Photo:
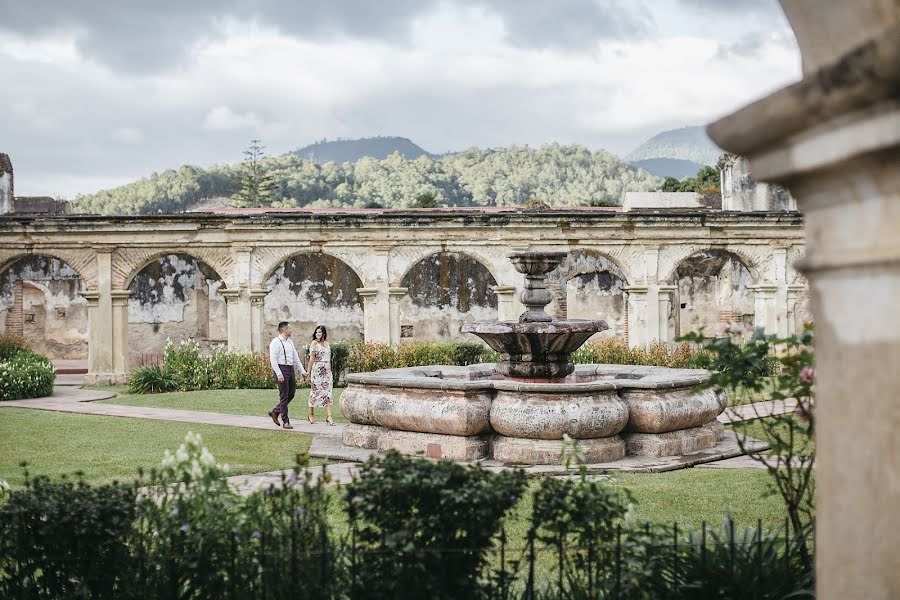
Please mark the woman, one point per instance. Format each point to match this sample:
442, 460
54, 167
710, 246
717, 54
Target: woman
320, 374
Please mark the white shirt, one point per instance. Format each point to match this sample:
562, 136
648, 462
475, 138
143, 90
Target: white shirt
282, 352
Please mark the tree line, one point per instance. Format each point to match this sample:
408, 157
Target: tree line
554, 174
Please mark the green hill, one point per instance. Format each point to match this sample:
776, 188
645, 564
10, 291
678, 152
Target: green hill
686, 143
557, 175
341, 151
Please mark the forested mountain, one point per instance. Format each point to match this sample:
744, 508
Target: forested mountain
557, 175
686, 143
668, 167
341, 151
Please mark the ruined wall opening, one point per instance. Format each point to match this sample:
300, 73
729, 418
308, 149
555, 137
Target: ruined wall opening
446, 289
711, 288
588, 285
313, 289
174, 297
41, 301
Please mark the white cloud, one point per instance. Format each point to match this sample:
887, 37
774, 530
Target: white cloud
455, 82
223, 118
128, 135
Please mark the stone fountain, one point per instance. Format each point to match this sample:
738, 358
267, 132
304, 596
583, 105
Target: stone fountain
518, 410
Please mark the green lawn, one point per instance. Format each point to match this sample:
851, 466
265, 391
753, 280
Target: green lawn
108, 448
233, 402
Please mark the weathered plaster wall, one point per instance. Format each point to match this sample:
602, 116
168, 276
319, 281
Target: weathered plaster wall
40, 300
446, 290
175, 297
712, 288
314, 289
589, 285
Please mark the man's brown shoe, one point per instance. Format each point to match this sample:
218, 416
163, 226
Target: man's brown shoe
274, 416
288, 426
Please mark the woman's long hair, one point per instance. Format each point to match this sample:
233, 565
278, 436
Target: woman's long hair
324, 332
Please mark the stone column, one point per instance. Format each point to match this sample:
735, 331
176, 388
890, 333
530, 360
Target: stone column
506, 302
833, 140
257, 321
240, 319
764, 306
376, 314
666, 295
395, 297
120, 348
638, 331
101, 347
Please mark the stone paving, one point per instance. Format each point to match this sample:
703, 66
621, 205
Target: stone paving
69, 397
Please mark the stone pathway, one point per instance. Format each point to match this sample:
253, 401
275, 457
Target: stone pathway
338, 474
757, 410
71, 399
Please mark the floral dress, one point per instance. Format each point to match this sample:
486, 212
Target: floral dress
320, 377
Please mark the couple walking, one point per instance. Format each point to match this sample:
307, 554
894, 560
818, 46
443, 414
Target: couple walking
287, 366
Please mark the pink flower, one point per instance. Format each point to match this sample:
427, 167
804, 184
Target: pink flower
807, 374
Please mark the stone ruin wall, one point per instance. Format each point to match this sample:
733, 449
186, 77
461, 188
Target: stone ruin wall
40, 301
445, 290
177, 297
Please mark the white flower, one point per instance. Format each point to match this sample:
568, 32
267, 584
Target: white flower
181, 455
196, 471
206, 458
168, 461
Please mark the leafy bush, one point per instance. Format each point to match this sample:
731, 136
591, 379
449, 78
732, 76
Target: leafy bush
151, 379
66, 540
426, 526
365, 357
26, 375
235, 370
10, 345
616, 351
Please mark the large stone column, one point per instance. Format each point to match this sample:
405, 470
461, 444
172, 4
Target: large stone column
638, 316
395, 297
258, 342
107, 326
376, 314
506, 302
240, 320
834, 141
764, 306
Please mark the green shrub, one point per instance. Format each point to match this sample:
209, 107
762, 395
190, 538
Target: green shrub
26, 375
615, 351
364, 357
10, 345
340, 360
237, 370
426, 525
186, 366
67, 540
151, 379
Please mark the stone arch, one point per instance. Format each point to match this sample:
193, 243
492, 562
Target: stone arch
41, 299
711, 286
670, 257
404, 259
128, 262
311, 288
175, 296
267, 260
590, 284
444, 290
83, 262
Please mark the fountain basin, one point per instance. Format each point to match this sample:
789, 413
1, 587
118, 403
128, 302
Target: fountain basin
468, 413
535, 350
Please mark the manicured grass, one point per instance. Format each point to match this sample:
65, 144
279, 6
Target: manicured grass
108, 448
233, 402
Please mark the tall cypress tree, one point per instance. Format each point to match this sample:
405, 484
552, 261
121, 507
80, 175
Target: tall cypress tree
258, 187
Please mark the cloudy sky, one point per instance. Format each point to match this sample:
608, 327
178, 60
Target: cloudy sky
96, 93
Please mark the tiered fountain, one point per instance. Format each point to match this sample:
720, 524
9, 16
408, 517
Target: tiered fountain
518, 410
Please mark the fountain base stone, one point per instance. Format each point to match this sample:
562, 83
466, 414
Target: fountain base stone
673, 443
473, 413
526, 451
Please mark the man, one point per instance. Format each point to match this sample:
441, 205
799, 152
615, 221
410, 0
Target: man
286, 363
